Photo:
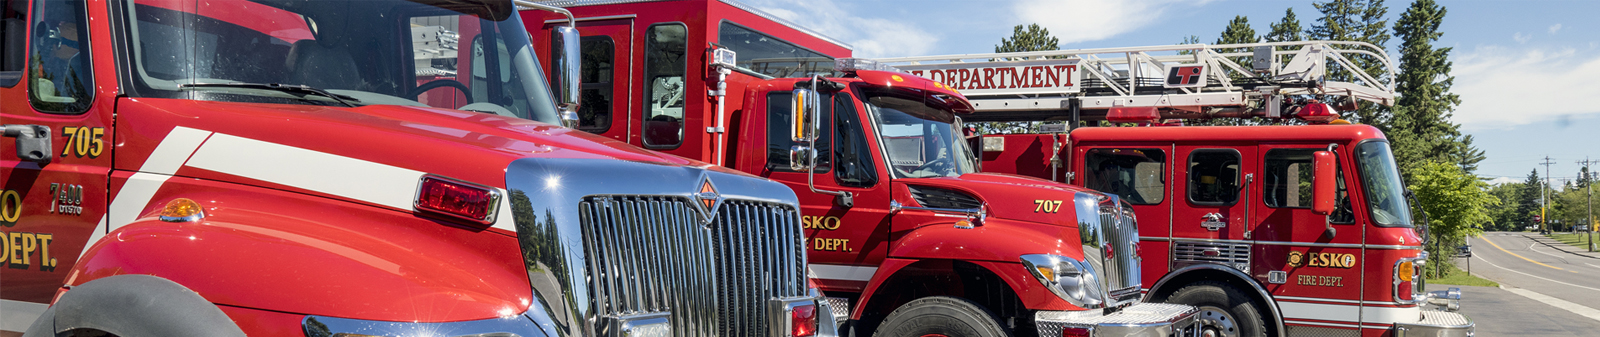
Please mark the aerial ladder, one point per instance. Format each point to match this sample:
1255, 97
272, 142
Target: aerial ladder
1273, 80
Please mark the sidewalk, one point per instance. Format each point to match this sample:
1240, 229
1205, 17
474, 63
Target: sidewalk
1557, 245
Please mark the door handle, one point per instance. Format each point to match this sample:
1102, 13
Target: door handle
33, 142
1213, 222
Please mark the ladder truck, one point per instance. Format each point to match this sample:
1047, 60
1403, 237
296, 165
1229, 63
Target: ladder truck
1299, 228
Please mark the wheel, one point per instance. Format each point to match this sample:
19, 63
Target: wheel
940, 316
440, 83
1224, 310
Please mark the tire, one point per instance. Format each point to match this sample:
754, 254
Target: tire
940, 316
1225, 311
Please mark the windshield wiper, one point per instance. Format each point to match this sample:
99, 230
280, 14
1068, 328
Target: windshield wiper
290, 88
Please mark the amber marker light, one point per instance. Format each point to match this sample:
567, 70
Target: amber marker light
1406, 271
182, 210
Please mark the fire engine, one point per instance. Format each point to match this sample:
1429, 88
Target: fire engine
904, 236
1297, 229
354, 168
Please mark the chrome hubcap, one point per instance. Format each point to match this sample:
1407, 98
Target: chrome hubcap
1216, 322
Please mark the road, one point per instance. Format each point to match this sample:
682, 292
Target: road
1545, 291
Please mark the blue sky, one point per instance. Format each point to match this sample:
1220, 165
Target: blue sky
1528, 72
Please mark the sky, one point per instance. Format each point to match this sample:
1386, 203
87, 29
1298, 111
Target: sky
1528, 72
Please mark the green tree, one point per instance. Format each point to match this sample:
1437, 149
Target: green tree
1033, 38
1285, 30
1421, 127
1528, 199
1356, 20
1456, 204
1505, 218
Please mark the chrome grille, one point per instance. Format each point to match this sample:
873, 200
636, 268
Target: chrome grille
1121, 232
653, 254
1186, 253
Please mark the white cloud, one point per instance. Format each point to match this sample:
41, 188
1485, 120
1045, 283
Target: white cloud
1089, 20
1521, 38
1502, 87
870, 37
1554, 28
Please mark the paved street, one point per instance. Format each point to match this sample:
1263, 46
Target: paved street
1545, 291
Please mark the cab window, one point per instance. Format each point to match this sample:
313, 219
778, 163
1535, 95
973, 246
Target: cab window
1133, 174
594, 115
1214, 176
61, 81
856, 167
1286, 178
13, 39
665, 63
779, 107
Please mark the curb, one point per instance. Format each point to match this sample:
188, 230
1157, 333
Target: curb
1558, 246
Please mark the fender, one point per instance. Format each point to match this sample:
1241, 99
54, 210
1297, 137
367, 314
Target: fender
1272, 304
134, 305
289, 252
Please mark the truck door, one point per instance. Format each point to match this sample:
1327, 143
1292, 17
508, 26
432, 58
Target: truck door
606, 46
51, 209
1212, 177
1319, 255
845, 245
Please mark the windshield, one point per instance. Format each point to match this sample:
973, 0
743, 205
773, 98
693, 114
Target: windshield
920, 141
1385, 195
467, 55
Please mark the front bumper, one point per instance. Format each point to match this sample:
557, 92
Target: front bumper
1142, 319
1434, 323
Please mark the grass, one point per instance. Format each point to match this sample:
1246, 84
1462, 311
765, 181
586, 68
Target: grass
1580, 240
1461, 278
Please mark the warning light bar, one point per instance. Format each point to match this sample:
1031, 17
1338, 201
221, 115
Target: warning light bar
853, 64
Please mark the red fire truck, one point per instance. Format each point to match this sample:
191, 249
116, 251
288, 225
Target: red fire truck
904, 236
338, 168
1299, 229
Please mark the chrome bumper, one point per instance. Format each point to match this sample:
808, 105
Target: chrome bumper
1142, 319
1436, 323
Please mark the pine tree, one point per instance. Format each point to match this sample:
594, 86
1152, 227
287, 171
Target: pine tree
1421, 127
1361, 21
1528, 203
1034, 38
1285, 30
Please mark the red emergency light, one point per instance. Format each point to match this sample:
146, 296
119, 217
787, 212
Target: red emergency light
1317, 113
456, 198
1133, 115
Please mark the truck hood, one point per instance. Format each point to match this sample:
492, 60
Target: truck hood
471, 146
999, 194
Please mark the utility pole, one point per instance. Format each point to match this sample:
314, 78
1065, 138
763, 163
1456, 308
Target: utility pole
1544, 197
1588, 190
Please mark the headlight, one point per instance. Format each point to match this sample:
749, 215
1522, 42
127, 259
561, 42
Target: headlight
1072, 280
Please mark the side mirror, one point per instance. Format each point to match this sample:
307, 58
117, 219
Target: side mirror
804, 114
802, 158
1323, 182
566, 68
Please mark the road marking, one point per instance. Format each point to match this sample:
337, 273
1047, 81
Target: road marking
1575, 308
1491, 243
1530, 275
1536, 244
